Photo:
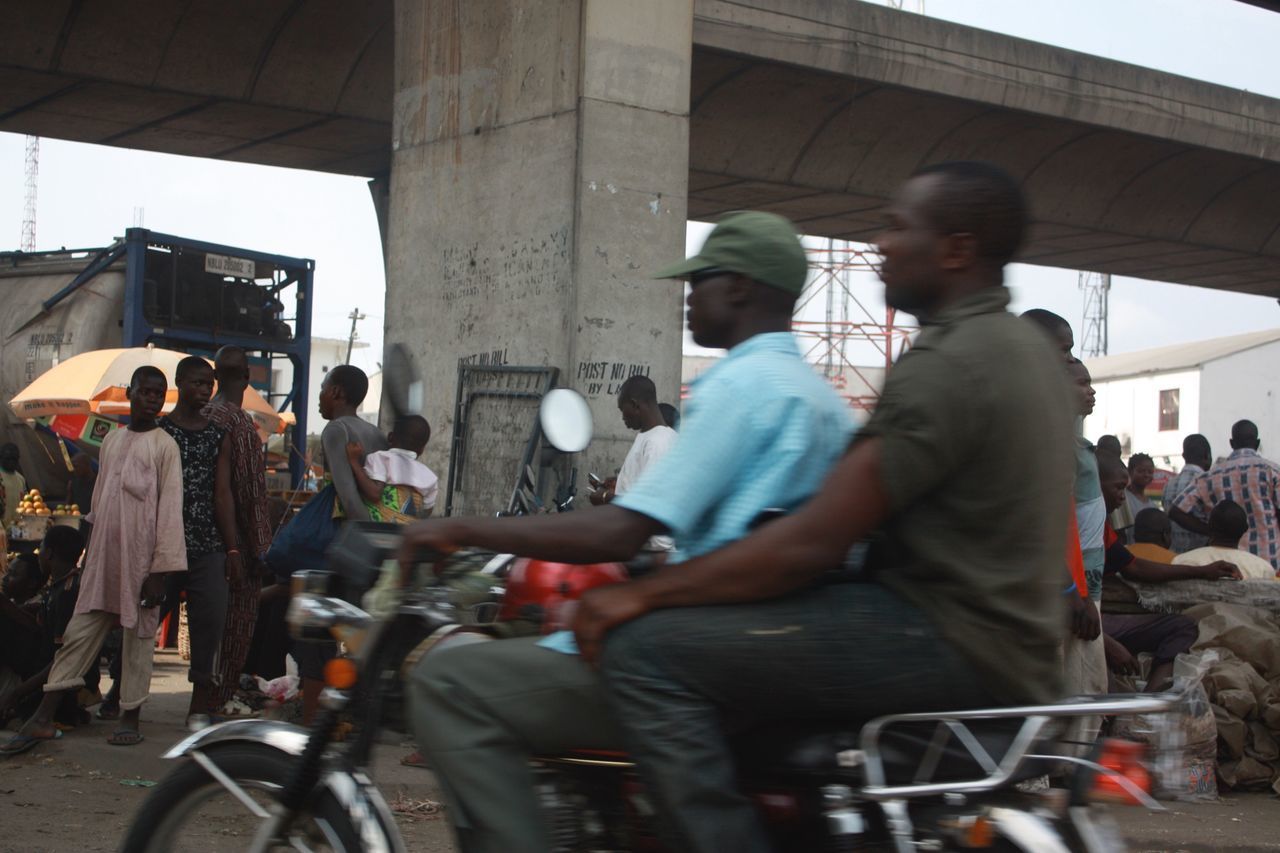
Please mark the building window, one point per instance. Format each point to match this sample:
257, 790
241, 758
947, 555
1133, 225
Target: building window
1169, 410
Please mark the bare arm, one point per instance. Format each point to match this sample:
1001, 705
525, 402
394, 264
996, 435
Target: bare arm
1187, 520
334, 440
785, 554
595, 535
1147, 571
370, 489
224, 509
782, 556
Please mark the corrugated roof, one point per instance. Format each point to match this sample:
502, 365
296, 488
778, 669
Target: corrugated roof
1178, 356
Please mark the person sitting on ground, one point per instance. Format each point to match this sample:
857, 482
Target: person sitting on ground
59, 561
1128, 628
1227, 526
1196, 458
395, 484
137, 539
19, 630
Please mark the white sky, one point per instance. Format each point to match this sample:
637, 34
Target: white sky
88, 194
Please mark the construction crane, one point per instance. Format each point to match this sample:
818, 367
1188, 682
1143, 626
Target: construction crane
28, 241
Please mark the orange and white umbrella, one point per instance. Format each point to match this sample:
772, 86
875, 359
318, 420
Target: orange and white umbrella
95, 382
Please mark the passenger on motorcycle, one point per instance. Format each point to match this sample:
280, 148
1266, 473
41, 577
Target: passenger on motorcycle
960, 479
761, 430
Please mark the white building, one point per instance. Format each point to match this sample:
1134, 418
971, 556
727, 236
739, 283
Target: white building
1153, 398
326, 354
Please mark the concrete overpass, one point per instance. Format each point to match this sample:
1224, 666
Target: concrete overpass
535, 157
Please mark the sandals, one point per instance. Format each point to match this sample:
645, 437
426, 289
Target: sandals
109, 710
125, 737
20, 743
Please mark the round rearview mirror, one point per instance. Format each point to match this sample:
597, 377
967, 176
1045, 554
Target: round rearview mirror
566, 420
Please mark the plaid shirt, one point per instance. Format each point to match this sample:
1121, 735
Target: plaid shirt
1183, 539
1252, 482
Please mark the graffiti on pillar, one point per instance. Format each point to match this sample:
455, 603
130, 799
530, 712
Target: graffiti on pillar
493, 358
507, 268
605, 378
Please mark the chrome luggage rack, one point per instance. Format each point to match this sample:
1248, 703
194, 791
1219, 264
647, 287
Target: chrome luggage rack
955, 725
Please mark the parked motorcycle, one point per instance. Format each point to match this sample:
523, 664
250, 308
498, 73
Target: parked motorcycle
908, 782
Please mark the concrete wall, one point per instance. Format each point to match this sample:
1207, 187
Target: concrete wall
539, 174
1130, 410
1244, 385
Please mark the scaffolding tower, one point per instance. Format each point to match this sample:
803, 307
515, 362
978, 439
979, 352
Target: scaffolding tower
838, 333
31, 173
1093, 328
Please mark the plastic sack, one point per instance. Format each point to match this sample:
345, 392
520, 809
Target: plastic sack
1183, 743
280, 689
301, 544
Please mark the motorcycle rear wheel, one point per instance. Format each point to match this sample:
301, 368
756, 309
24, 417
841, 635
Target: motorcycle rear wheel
171, 818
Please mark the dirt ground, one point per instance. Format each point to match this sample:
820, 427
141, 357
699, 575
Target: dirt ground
79, 793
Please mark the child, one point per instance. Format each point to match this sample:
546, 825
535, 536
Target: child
393, 483
136, 540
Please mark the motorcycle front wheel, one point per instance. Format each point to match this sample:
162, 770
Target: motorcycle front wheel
191, 810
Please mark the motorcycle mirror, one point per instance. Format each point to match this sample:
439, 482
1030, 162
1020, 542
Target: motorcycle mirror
566, 420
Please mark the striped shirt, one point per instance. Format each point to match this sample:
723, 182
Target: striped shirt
1254, 483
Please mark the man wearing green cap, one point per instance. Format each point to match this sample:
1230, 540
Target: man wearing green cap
761, 430
962, 606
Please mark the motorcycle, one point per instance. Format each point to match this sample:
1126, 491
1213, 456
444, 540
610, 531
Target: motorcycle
907, 782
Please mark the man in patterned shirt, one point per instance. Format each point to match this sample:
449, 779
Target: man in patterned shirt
249, 493
1249, 480
209, 522
1197, 457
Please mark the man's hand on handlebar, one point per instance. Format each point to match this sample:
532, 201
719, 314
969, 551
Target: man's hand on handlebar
426, 540
601, 610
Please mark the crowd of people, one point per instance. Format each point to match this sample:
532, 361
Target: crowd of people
975, 584
177, 513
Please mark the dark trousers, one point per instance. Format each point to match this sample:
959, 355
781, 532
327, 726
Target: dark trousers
1164, 636
205, 582
844, 652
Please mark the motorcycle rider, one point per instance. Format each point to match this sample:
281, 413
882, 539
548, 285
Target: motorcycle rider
965, 606
762, 429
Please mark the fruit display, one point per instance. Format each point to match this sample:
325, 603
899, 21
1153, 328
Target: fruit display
32, 503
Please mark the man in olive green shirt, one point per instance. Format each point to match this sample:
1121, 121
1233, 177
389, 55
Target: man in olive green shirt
963, 474
13, 486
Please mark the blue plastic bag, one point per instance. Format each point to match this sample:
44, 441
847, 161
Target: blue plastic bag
302, 543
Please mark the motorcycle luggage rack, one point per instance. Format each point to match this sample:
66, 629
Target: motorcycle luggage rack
955, 726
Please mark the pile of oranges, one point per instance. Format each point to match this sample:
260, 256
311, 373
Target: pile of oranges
33, 504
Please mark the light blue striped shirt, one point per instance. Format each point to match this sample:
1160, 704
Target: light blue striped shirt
760, 431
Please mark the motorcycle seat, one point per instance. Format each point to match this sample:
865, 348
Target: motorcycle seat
814, 748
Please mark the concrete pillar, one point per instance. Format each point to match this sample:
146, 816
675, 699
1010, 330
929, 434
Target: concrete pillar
539, 174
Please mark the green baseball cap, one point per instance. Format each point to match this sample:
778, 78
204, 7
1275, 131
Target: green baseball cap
762, 246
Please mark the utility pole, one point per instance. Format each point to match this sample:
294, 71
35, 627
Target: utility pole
355, 317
